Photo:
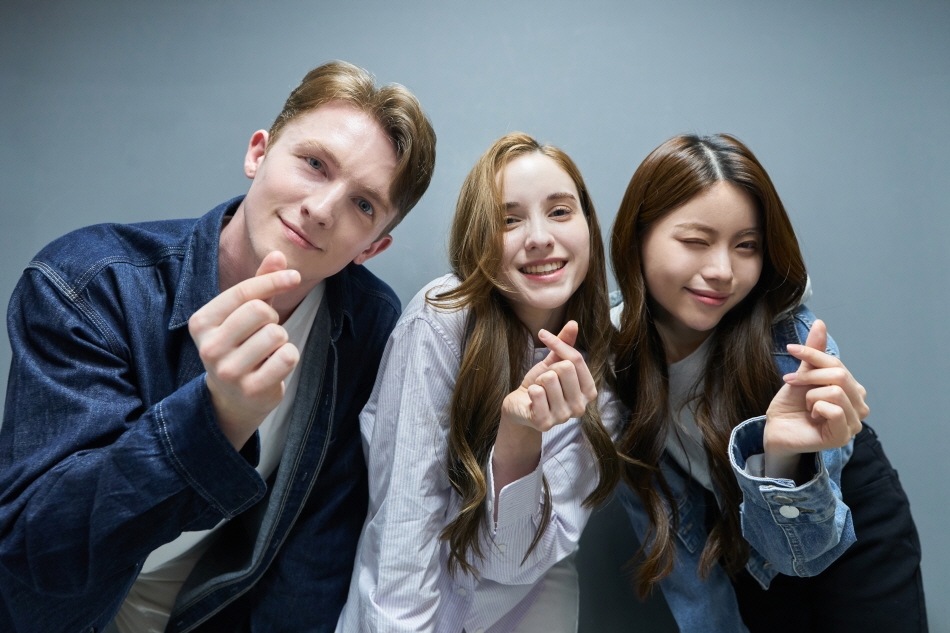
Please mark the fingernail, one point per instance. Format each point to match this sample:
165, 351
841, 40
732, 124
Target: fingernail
543, 332
790, 377
792, 347
289, 276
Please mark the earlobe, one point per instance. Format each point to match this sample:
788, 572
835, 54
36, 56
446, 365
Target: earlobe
256, 148
374, 249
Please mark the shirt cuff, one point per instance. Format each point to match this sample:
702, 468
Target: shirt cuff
517, 500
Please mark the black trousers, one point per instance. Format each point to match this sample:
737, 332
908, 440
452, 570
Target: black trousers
874, 586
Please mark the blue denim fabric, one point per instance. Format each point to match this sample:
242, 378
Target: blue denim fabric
109, 445
803, 545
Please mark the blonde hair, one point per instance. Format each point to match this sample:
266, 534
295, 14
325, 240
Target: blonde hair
495, 355
395, 109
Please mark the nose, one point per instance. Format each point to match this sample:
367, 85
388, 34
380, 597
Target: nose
538, 236
718, 266
323, 203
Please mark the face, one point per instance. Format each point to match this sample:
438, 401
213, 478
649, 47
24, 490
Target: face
700, 261
320, 192
547, 240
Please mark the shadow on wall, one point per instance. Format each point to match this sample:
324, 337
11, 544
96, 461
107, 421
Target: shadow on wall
608, 603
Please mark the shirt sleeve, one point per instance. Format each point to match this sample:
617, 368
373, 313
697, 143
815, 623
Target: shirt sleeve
92, 477
571, 471
396, 581
802, 529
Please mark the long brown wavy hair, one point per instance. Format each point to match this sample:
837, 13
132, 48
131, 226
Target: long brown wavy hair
497, 347
740, 376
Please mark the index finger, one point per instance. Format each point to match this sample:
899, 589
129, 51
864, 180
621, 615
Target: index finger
561, 350
262, 287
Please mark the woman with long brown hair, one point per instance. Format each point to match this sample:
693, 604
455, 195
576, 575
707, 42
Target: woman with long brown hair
485, 433
713, 331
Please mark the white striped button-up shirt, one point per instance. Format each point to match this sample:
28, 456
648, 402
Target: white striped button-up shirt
400, 580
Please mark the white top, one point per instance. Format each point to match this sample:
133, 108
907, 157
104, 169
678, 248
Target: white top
150, 600
400, 580
684, 440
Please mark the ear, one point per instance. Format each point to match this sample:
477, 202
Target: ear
256, 149
374, 249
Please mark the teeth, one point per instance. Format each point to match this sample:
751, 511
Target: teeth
543, 268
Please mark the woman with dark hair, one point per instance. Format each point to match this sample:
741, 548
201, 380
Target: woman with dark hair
713, 330
485, 433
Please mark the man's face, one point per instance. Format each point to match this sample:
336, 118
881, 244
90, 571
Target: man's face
320, 192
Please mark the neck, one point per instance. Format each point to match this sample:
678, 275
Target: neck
537, 319
678, 343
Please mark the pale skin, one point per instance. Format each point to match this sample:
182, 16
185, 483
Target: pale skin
546, 228
319, 200
700, 261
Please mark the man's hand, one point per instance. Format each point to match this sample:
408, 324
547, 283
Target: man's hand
244, 350
820, 407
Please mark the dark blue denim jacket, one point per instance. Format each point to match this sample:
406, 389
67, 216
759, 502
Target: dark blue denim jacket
109, 445
812, 531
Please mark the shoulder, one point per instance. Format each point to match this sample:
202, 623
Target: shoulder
422, 314
77, 258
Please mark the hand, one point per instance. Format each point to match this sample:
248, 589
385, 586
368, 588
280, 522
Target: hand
244, 350
555, 390
820, 407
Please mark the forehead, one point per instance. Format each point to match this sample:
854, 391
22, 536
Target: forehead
722, 208
534, 175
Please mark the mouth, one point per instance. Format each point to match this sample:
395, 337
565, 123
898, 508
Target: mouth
709, 297
296, 236
543, 269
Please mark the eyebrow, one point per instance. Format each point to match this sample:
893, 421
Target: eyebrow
310, 146
704, 228
559, 195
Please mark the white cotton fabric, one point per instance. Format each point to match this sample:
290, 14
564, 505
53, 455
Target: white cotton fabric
400, 581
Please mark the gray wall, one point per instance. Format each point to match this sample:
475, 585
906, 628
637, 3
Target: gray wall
125, 111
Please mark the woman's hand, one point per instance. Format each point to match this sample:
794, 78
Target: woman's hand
555, 390
820, 407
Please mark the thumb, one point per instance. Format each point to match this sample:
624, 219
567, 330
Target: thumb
272, 262
817, 339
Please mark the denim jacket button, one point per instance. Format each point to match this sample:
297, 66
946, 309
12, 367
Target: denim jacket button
789, 512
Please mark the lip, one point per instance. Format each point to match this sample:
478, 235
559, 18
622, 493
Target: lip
708, 297
296, 236
545, 276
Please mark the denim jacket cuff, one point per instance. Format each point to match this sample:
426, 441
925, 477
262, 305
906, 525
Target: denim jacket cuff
811, 502
202, 455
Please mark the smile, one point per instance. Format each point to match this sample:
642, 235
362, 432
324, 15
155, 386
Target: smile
543, 269
296, 236
709, 298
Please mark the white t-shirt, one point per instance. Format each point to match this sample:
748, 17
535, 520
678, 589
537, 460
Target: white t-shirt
148, 605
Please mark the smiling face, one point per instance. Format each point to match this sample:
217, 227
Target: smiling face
546, 242
699, 262
320, 195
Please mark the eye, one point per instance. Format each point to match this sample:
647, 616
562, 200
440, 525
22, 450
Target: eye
749, 246
511, 220
694, 242
365, 206
560, 212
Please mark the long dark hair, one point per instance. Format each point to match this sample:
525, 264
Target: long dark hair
740, 376
495, 355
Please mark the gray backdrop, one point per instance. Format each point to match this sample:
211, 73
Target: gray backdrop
126, 111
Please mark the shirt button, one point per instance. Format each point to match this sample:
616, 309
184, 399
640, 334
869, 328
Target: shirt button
501, 548
789, 512
461, 591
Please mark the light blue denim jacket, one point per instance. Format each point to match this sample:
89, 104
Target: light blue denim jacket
794, 530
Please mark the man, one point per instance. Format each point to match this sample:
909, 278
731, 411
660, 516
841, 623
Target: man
181, 443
